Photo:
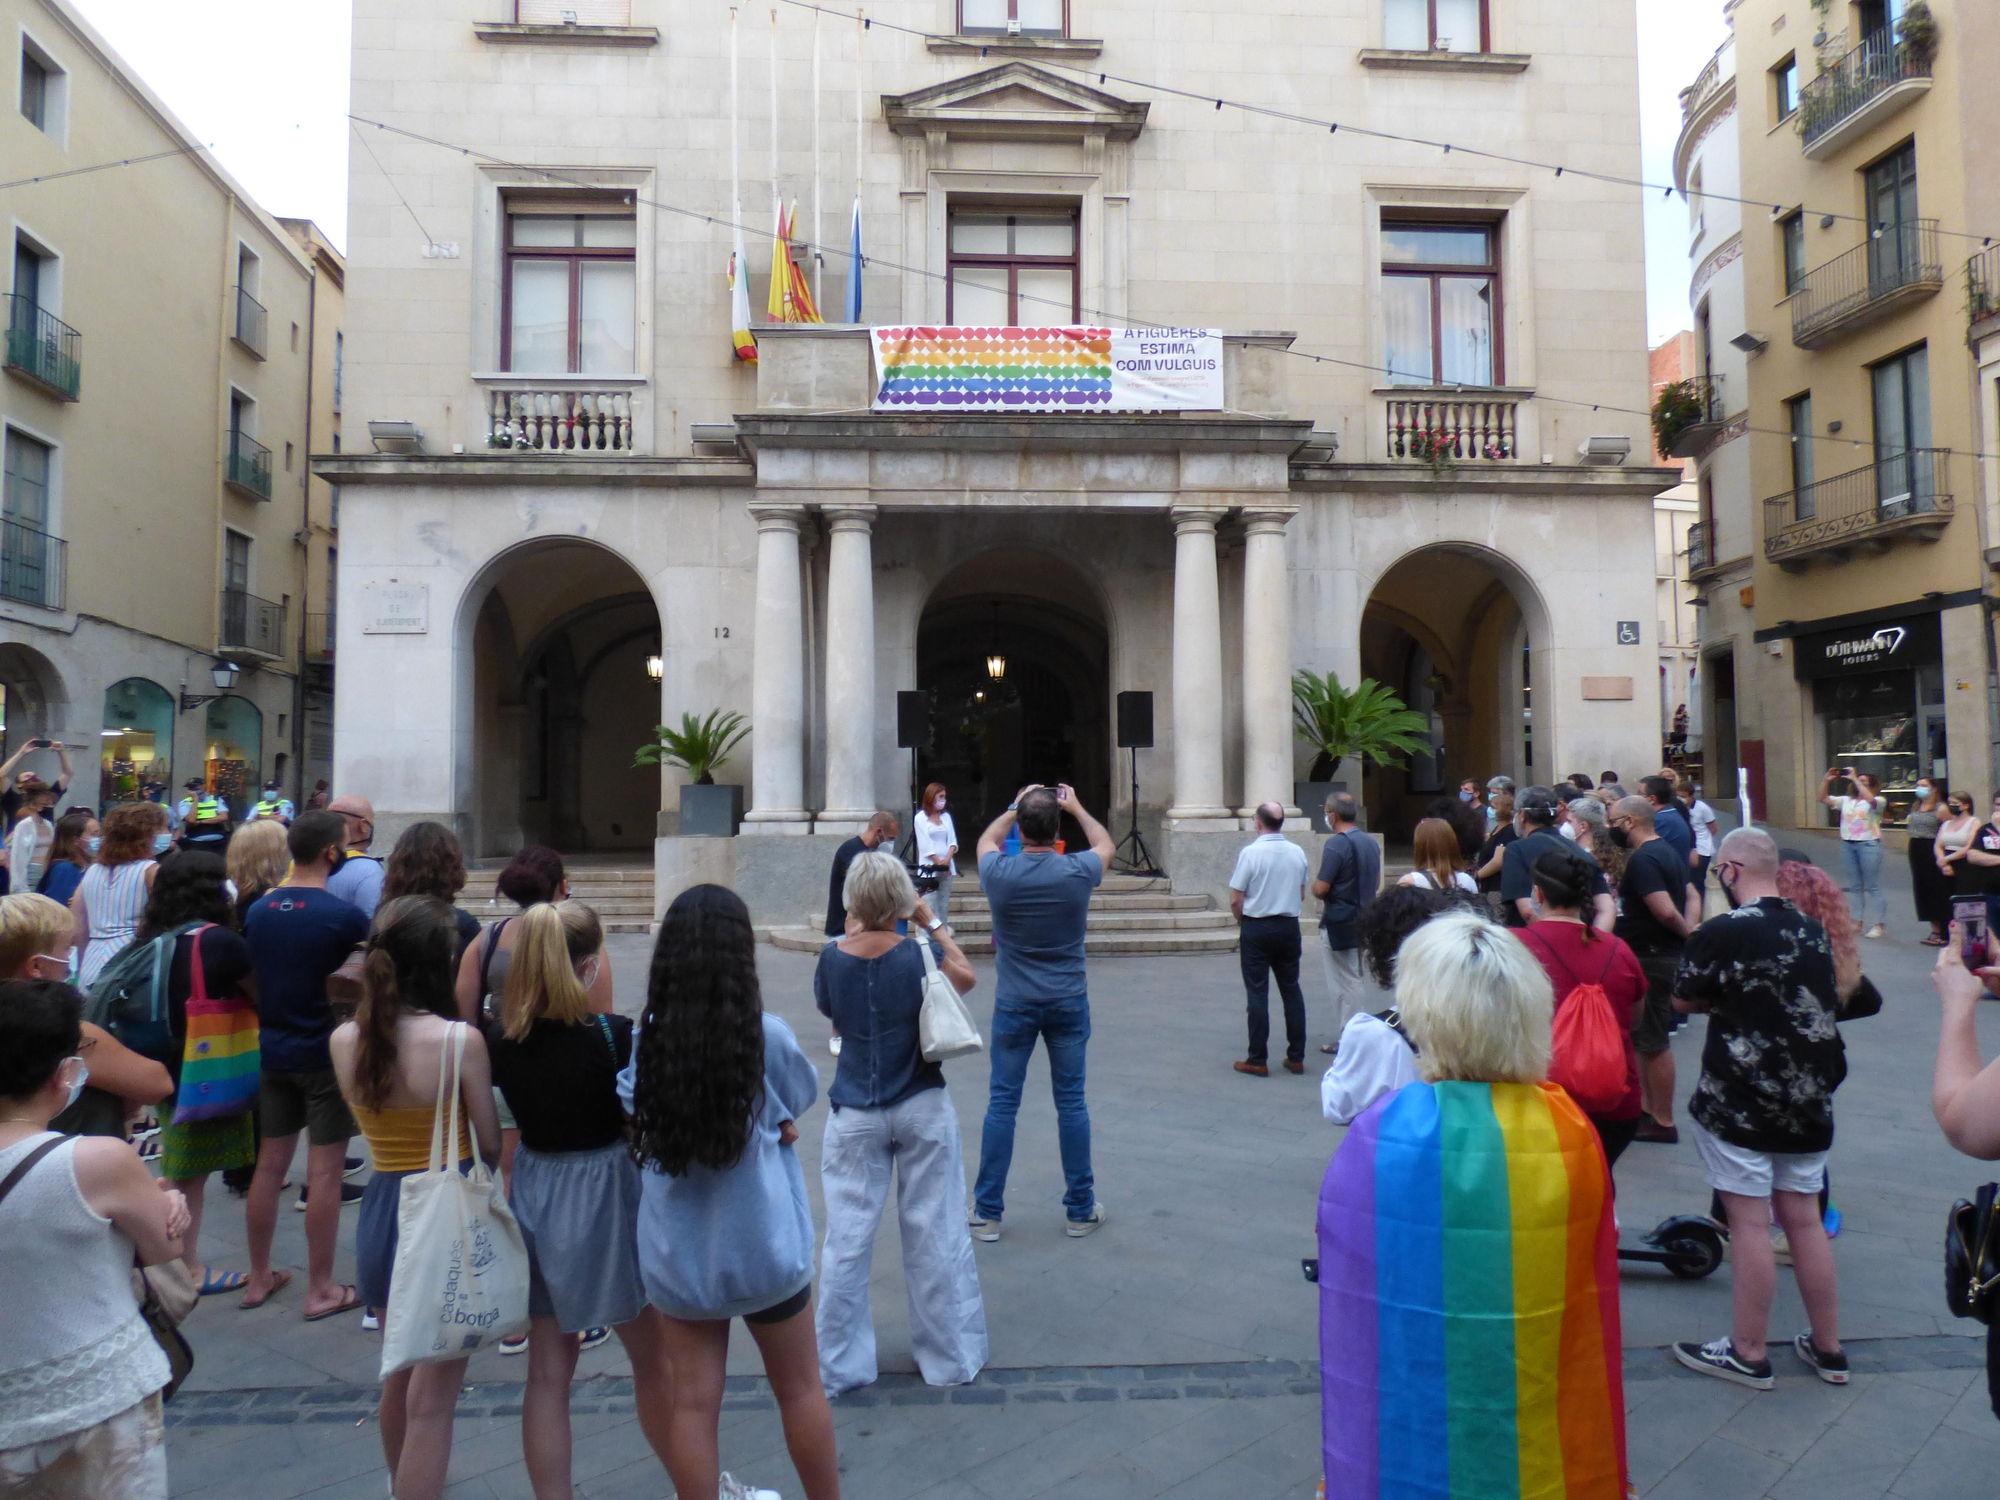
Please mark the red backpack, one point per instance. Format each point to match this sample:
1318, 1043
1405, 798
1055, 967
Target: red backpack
1588, 1055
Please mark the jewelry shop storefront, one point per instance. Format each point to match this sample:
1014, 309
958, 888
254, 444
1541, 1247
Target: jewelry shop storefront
1878, 703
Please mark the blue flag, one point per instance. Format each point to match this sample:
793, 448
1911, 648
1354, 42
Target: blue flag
853, 308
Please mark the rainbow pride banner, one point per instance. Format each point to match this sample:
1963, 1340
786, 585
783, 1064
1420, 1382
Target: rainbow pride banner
1469, 1335
948, 369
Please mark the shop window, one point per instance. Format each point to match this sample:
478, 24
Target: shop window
1435, 25
1013, 269
1878, 700
1013, 17
569, 291
137, 744
1441, 303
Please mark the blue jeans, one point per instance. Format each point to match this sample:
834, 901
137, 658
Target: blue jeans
1064, 1027
1864, 879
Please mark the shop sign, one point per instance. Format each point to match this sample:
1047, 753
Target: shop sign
395, 609
1895, 646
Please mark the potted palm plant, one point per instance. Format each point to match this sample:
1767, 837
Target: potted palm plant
698, 747
1366, 723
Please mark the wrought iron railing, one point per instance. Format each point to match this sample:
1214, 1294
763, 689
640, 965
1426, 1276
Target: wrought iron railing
1708, 418
249, 466
1893, 257
1451, 428
1891, 494
43, 347
1701, 547
251, 624
34, 566
1877, 65
251, 322
1982, 284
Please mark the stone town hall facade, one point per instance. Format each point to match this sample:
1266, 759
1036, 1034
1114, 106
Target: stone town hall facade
573, 473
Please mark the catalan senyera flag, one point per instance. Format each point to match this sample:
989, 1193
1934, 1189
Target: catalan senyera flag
1468, 1282
739, 303
791, 299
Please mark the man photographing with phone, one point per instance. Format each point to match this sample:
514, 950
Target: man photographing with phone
15, 785
1040, 901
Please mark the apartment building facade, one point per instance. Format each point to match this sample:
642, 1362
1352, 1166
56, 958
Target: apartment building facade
1842, 573
1422, 460
154, 408
1676, 513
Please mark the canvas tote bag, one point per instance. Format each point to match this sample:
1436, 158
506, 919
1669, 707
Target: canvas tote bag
945, 1028
460, 1281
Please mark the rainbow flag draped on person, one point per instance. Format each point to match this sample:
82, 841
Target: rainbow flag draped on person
1469, 1334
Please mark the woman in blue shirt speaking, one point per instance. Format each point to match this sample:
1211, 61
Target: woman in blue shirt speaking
725, 1230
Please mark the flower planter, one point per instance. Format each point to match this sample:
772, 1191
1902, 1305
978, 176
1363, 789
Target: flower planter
711, 812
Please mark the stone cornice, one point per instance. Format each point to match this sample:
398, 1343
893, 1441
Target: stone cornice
1060, 47
530, 469
977, 106
1052, 432
1572, 481
512, 33
1724, 254
1480, 64
1716, 108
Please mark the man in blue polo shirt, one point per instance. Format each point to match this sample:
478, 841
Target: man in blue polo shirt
1040, 901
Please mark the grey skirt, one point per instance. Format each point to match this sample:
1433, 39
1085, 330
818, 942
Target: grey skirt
579, 1211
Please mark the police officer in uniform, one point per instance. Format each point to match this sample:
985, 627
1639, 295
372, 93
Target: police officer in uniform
273, 804
205, 823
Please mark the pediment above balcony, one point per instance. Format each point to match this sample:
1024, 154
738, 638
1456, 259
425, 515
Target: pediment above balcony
1015, 101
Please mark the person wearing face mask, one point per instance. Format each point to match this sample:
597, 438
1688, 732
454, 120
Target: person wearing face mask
78, 838
576, 1189
112, 895
1930, 887
81, 1371
1954, 838
357, 874
937, 847
38, 941
1658, 907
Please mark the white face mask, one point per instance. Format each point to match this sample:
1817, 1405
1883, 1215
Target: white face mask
77, 1083
65, 964
587, 975
1569, 832
1923, 789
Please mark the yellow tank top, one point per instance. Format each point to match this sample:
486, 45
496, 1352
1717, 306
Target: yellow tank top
400, 1139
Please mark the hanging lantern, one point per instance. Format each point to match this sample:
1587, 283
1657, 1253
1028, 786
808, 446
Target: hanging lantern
996, 662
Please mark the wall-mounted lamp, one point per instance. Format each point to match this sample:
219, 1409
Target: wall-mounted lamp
996, 663
223, 675
656, 666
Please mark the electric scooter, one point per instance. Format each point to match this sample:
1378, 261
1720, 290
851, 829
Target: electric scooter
1688, 1245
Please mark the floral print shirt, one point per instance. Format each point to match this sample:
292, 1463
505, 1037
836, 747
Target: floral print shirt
1861, 818
1773, 1056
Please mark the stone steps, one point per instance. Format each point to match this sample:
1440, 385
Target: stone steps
621, 895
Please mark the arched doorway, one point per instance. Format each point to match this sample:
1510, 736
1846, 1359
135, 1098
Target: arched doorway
33, 700
1046, 715
233, 751
1453, 631
561, 700
136, 746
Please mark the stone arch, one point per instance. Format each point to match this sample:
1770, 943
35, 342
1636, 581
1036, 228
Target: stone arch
551, 635
37, 702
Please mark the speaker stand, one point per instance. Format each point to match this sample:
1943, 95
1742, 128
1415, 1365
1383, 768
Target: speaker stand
1139, 860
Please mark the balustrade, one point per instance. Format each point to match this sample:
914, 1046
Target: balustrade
559, 421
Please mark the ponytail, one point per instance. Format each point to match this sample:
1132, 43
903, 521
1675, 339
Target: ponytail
407, 971
541, 976
375, 1018
1563, 878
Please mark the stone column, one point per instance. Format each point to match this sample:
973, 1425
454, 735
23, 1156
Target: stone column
850, 671
1267, 664
778, 678
1197, 675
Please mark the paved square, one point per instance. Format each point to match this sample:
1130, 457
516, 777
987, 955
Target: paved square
1174, 1352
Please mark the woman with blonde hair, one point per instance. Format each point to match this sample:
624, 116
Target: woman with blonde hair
389, 1060
891, 1117
1480, 1150
111, 898
576, 1188
1438, 862
258, 859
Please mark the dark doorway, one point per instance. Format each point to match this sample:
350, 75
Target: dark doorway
1045, 718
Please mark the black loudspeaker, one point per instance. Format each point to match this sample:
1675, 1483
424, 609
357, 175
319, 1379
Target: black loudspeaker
1135, 721
913, 721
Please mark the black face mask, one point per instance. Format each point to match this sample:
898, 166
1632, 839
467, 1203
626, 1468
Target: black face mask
1619, 838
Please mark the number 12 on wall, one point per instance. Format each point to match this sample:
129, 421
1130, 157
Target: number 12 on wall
722, 632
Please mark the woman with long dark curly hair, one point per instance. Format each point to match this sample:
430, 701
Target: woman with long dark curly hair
725, 1231
389, 1059
428, 860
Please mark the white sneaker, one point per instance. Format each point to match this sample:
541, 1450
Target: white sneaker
1078, 1228
371, 1320
1877, 931
736, 1489
986, 1231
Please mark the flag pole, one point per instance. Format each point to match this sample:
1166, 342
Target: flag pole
777, 197
819, 256
853, 310
735, 147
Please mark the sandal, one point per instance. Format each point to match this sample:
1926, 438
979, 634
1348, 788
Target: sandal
214, 1282
279, 1281
1934, 941
347, 1304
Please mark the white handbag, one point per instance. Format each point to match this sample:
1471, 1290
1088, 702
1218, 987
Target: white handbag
945, 1027
460, 1280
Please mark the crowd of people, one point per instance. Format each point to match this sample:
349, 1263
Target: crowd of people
651, 1165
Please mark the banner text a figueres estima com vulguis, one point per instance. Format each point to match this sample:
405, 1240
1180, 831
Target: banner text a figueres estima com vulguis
993, 369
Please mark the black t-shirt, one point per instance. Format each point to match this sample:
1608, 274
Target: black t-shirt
1982, 879
13, 797
225, 964
1653, 866
1773, 1056
836, 907
1500, 840
561, 1081
1517, 870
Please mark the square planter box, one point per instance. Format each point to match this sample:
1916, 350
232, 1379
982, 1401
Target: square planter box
711, 812
1309, 797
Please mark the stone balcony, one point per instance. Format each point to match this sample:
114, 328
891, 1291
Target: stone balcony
568, 414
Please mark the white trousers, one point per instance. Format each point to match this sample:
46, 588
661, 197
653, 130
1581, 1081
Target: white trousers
918, 1141
1346, 985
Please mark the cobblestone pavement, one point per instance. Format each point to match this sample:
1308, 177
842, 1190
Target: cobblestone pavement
1174, 1352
